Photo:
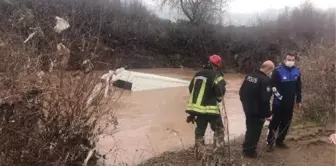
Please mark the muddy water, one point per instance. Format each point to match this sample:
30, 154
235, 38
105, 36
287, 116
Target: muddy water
151, 122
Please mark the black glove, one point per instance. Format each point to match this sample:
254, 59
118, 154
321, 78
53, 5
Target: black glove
191, 118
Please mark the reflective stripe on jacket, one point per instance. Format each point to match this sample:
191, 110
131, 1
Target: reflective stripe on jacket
206, 89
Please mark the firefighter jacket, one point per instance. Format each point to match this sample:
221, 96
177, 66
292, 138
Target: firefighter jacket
206, 89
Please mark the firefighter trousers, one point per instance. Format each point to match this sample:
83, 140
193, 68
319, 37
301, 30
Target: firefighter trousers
216, 125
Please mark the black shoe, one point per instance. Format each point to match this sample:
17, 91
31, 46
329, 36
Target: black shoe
282, 145
251, 155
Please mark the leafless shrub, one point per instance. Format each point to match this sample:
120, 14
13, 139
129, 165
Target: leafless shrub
54, 127
201, 11
45, 119
128, 31
318, 68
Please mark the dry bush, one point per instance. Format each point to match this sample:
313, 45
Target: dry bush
49, 122
211, 156
46, 121
126, 30
318, 68
53, 127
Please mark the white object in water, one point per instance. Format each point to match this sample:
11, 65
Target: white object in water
61, 24
109, 78
144, 81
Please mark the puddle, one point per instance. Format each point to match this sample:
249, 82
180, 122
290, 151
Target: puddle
153, 121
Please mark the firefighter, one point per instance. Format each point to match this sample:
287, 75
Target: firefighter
207, 89
286, 85
255, 94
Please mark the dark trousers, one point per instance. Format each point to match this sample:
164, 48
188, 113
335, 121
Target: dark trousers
254, 125
281, 121
216, 125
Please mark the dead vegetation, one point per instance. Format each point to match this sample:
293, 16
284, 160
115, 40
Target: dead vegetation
318, 68
51, 125
45, 118
127, 31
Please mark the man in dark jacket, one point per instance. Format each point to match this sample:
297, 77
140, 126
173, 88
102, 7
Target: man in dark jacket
286, 85
255, 94
207, 89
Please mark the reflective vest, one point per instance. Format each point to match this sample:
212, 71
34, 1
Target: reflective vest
206, 92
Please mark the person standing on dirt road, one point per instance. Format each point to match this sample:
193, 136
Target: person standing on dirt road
286, 85
207, 89
255, 94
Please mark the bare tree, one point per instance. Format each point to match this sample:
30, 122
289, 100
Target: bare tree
198, 11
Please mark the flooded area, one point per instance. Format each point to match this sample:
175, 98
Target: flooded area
154, 121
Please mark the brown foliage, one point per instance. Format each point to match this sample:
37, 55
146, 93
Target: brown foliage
45, 121
48, 122
128, 31
318, 68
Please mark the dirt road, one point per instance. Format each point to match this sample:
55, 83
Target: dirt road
151, 122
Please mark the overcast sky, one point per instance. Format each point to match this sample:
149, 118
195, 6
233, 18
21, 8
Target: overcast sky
252, 6
242, 11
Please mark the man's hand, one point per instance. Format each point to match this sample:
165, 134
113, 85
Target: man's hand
191, 118
269, 118
298, 108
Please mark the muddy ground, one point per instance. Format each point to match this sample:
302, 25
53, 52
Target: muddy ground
308, 146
